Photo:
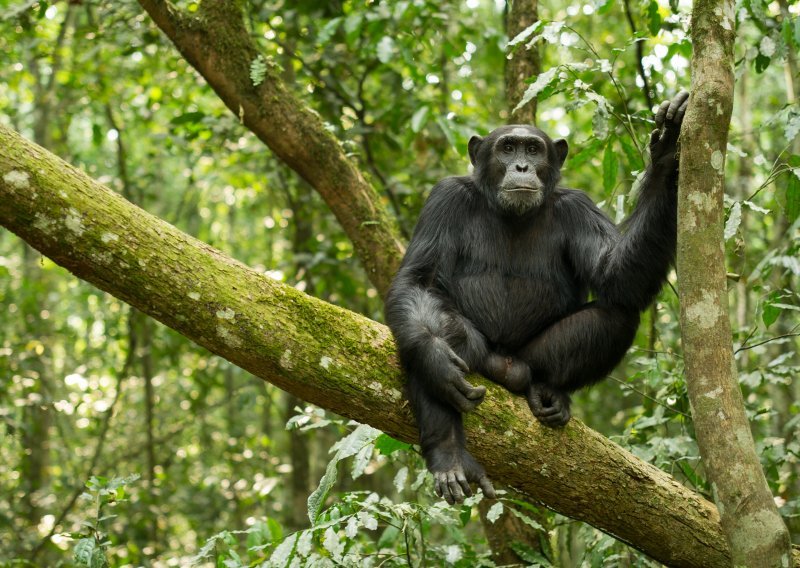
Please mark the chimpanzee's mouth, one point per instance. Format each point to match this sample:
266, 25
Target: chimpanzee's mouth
521, 189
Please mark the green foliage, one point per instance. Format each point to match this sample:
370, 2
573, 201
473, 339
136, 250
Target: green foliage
91, 390
91, 545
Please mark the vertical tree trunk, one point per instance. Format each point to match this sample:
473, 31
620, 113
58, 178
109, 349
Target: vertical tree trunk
524, 64
755, 531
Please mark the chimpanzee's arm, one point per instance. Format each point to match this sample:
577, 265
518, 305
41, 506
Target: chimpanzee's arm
437, 345
629, 270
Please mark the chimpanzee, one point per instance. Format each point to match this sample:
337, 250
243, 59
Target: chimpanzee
496, 281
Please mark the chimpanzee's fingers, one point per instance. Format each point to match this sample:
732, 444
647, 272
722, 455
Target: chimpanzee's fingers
675, 104
488, 488
458, 400
681, 112
560, 418
654, 137
455, 487
469, 391
462, 481
661, 114
459, 362
535, 401
548, 411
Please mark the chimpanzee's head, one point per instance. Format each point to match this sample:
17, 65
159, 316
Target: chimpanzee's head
517, 166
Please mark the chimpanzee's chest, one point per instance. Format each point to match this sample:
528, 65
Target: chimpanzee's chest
513, 283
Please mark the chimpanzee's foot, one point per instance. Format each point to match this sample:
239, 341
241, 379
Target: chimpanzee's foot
549, 405
508, 371
453, 470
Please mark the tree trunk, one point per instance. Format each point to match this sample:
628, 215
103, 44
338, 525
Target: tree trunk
335, 358
755, 531
524, 63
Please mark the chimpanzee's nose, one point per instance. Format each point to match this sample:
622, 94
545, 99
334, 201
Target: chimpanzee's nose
522, 167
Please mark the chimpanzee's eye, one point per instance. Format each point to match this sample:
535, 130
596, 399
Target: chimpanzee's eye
531, 149
508, 148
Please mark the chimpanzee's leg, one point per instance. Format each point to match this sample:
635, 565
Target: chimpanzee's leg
576, 351
441, 435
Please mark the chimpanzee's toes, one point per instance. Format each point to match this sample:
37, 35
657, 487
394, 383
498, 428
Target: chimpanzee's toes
548, 405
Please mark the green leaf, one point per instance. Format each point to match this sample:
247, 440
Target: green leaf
465, 515
350, 445
542, 80
387, 445
494, 512
284, 552
600, 121
653, 18
733, 221
361, 461
603, 7
97, 135
525, 34
761, 62
90, 554
770, 311
588, 152
793, 195
420, 119
610, 168
258, 70
327, 31
527, 520
446, 130
635, 161
385, 49
188, 118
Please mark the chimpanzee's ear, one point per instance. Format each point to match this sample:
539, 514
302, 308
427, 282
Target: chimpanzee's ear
473, 147
561, 150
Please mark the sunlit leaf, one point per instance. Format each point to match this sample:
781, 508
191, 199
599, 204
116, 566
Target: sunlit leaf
542, 80
733, 221
495, 511
610, 168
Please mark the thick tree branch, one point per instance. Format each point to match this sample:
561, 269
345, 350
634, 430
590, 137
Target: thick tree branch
216, 43
335, 358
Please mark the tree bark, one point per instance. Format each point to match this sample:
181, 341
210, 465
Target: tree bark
753, 527
524, 63
335, 358
217, 44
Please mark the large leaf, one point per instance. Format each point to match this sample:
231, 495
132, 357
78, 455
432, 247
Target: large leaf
362, 437
610, 168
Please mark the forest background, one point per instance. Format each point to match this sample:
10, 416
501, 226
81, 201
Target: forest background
128, 444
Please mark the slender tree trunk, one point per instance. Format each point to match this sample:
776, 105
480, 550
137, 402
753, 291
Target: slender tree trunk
755, 531
524, 64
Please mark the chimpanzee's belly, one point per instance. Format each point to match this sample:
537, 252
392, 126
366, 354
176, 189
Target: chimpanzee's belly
510, 310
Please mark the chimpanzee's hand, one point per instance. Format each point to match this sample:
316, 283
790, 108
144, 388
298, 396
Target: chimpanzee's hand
549, 405
510, 372
448, 382
664, 139
454, 469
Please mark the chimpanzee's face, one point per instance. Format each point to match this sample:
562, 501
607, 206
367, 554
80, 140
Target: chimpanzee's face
517, 165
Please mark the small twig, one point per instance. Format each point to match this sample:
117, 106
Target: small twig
754, 345
639, 56
647, 396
